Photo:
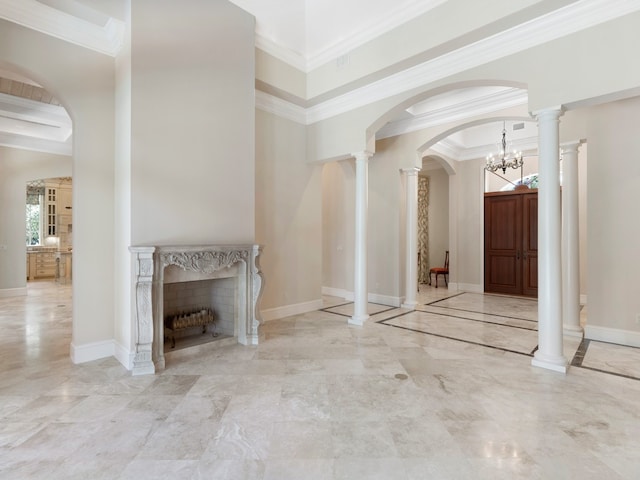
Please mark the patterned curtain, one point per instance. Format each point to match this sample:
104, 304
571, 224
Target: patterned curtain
423, 229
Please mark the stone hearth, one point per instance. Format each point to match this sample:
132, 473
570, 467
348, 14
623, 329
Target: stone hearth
155, 266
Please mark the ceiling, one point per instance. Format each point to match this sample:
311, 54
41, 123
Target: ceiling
315, 33
309, 30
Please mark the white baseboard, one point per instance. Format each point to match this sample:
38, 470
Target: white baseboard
124, 356
612, 335
467, 287
338, 292
13, 292
583, 299
372, 297
385, 299
92, 351
288, 310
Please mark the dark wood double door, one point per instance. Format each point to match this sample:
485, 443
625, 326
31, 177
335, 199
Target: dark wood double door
511, 242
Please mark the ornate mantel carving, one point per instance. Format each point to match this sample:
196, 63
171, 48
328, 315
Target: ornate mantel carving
204, 261
150, 263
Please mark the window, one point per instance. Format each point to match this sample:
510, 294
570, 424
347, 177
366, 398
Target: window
530, 181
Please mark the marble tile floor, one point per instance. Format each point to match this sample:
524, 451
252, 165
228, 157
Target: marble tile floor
317, 399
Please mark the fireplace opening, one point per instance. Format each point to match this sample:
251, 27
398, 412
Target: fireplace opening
198, 312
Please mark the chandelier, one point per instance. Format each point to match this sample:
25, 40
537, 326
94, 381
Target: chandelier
511, 159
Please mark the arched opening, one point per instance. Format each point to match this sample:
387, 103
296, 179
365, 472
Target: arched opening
83, 82
36, 181
453, 125
433, 215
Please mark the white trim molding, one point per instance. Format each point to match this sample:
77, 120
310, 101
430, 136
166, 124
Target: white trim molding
124, 356
92, 351
13, 292
612, 335
338, 292
289, 310
50, 21
493, 102
277, 106
385, 299
371, 297
570, 19
467, 287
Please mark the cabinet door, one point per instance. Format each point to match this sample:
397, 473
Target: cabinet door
502, 244
64, 201
51, 209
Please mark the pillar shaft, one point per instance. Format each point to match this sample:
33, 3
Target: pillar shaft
570, 240
360, 292
550, 349
411, 267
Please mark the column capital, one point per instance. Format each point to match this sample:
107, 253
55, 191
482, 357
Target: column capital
548, 113
411, 172
363, 155
573, 145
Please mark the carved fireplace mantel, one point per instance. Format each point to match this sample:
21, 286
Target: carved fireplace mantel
191, 263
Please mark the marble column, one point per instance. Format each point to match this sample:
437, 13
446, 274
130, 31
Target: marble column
570, 240
411, 267
549, 354
360, 292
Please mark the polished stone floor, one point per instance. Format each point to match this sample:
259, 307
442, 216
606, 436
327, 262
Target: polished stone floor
444, 392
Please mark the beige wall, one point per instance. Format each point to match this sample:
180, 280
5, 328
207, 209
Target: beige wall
288, 215
192, 123
613, 222
338, 216
387, 231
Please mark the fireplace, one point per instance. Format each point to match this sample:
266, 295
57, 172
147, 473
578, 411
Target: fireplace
165, 269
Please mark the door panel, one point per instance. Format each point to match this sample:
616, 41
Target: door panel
503, 235
530, 244
511, 243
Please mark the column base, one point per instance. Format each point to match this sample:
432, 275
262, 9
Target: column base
573, 331
411, 305
358, 319
550, 362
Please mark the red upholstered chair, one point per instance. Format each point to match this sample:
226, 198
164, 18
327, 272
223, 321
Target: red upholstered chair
444, 271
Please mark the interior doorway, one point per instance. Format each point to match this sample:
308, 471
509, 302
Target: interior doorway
511, 242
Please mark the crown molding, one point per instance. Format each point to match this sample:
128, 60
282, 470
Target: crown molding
372, 31
32, 110
309, 62
573, 18
35, 144
24, 120
455, 150
295, 59
282, 108
53, 22
493, 102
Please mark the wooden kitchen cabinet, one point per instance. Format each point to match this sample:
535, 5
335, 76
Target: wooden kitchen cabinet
51, 210
64, 198
41, 265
